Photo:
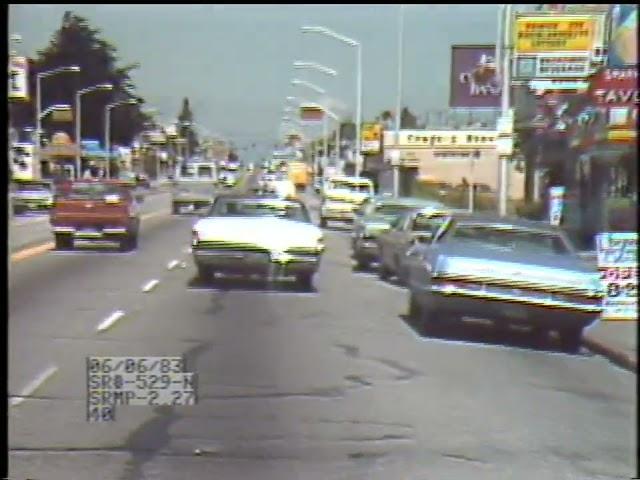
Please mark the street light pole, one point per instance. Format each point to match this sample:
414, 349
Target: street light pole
505, 101
396, 167
359, 111
39, 77
78, 106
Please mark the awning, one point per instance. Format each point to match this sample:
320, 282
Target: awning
53, 151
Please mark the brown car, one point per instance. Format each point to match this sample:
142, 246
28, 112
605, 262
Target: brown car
96, 210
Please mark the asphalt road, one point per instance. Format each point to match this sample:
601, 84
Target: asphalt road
333, 384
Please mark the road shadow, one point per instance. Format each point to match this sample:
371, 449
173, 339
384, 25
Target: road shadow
486, 334
229, 283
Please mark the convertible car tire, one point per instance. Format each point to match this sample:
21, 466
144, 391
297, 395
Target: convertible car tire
205, 274
415, 312
383, 271
362, 265
305, 281
570, 340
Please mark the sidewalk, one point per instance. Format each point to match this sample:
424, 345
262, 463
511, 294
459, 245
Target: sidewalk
618, 341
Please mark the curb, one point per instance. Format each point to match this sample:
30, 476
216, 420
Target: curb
617, 356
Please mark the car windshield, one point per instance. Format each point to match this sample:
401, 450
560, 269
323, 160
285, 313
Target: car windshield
259, 208
33, 187
90, 191
391, 209
512, 238
352, 187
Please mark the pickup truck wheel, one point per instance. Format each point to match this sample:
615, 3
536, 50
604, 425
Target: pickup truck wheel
175, 209
323, 222
18, 210
125, 243
64, 242
570, 340
133, 240
305, 281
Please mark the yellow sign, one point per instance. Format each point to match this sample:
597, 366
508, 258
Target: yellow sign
62, 115
371, 138
554, 33
622, 135
450, 139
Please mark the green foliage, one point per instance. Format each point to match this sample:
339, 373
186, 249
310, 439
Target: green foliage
77, 43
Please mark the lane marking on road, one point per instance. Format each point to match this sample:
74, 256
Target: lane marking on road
187, 250
172, 264
183, 265
110, 320
150, 286
31, 251
31, 388
147, 216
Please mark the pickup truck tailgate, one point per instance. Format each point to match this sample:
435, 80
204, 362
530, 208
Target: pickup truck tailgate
89, 214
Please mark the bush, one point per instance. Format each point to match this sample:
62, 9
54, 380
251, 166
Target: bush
530, 210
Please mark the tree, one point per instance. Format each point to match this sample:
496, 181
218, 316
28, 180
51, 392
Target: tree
408, 119
77, 43
186, 129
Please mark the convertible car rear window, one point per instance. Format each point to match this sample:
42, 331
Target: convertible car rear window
243, 208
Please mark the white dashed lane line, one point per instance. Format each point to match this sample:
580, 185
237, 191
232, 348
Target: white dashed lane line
150, 286
31, 388
110, 320
172, 264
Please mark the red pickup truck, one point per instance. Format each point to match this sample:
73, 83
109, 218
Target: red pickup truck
95, 210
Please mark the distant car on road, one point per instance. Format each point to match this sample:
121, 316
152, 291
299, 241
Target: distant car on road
247, 235
189, 197
342, 196
510, 271
95, 210
32, 195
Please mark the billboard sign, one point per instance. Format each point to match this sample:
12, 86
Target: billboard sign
371, 138
311, 113
617, 263
474, 83
623, 44
538, 33
18, 78
448, 139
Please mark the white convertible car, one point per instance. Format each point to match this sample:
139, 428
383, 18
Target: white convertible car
253, 235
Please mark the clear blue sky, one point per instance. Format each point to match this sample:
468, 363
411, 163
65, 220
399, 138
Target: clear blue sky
234, 62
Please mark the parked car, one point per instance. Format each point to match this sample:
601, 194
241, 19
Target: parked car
270, 237
32, 195
95, 210
407, 230
510, 271
374, 218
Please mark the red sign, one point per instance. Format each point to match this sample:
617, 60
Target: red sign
615, 87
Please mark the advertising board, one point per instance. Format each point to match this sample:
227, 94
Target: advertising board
536, 34
371, 138
474, 82
18, 78
311, 113
617, 263
458, 139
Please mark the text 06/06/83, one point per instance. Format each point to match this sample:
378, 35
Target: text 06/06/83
136, 381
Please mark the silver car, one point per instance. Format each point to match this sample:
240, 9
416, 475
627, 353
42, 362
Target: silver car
407, 230
509, 271
374, 218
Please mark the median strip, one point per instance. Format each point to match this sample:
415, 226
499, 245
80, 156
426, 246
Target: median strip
31, 388
150, 286
113, 318
32, 251
172, 264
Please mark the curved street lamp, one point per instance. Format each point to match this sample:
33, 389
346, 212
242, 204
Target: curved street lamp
79, 94
310, 85
352, 43
107, 128
315, 66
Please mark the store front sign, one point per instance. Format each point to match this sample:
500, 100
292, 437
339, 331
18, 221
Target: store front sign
482, 139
